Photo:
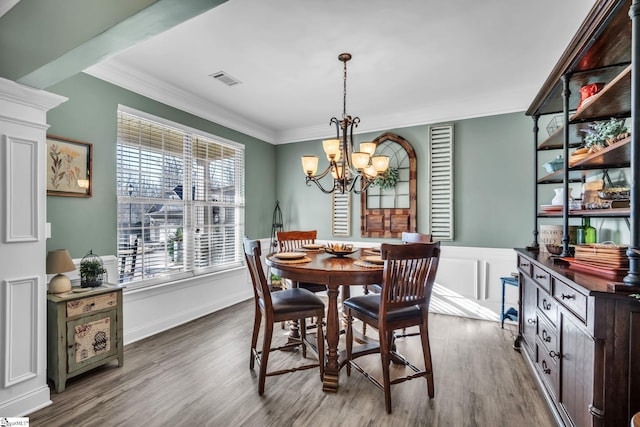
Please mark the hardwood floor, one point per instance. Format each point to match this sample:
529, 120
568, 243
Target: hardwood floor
198, 375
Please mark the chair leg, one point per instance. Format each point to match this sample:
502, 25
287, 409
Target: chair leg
385, 347
321, 355
254, 337
426, 351
349, 340
303, 336
266, 345
364, 324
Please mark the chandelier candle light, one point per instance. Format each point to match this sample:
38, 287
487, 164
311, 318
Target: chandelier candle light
347, 167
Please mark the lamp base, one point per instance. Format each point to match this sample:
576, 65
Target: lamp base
59, 284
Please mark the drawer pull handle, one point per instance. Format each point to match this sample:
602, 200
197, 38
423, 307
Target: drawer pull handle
545, 336
568, 296
541, 276
554, 355
531, 321
546, 305
524, 264
545, 368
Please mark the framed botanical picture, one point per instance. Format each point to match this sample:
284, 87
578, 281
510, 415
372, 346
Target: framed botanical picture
68, 167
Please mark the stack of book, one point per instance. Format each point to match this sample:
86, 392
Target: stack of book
605, 259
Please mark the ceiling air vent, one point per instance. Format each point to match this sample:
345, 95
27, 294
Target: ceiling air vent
225, 78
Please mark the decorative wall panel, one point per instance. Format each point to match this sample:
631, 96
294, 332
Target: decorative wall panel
21, 322
21, 186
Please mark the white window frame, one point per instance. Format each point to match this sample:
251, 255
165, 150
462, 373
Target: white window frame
192, 235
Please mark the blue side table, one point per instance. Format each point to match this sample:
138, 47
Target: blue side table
512, 313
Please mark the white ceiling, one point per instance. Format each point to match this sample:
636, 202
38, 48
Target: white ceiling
414, 61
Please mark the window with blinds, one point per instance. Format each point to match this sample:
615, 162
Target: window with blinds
180, 200
441, 178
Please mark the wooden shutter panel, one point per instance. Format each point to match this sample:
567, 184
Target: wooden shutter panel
441, 178
341, 214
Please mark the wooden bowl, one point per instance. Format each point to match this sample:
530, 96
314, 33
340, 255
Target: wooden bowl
554, 249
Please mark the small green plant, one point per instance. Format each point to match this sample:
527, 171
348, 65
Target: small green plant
601, 134
91, 272
388, 179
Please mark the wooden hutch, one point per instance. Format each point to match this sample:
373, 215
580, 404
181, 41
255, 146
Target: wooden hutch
579, 331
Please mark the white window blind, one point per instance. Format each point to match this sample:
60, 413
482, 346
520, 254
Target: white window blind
180, 200
441, 178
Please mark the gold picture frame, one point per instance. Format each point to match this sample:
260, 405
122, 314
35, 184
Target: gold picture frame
68, 167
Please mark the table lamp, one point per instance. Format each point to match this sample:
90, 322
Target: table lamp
58, 262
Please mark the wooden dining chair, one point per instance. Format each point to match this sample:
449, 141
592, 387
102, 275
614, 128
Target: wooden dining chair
408, 278
289, 241
274, 307
407, 237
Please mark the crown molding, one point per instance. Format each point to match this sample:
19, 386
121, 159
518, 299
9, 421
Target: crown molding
431, 114
169, 94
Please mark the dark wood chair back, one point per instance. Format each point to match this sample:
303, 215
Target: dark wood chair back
409, 275
416, 237
291, 240
252, 252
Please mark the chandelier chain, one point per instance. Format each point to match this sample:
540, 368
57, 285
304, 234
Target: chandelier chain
344, 93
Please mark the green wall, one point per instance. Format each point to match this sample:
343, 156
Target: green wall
493, 172
80, 224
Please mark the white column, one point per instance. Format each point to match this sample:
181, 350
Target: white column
23, 309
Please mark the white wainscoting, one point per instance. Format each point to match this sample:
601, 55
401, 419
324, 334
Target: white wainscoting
468, 282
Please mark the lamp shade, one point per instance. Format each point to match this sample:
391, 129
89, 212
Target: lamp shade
310, 164
370, 172
360, 160
381, 163
368, 147
331, 147
59, 261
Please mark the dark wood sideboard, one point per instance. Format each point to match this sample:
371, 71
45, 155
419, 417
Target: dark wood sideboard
580, 335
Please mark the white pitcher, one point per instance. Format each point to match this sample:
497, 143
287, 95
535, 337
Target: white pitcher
558, 199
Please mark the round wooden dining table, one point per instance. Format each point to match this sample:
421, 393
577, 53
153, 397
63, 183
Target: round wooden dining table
334, 272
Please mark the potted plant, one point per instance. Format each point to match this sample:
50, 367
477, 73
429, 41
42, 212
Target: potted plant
602, 134
91, 271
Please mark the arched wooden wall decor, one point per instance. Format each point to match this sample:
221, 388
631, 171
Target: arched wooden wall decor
389, 212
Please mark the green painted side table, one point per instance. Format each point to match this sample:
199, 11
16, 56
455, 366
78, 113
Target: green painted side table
84, 331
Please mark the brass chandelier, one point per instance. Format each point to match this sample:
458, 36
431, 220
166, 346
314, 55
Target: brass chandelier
347, 167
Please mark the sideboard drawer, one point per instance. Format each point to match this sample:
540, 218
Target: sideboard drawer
81, 306
570, 298
547, 336
549, 369
548, 306
542, 278
524, 265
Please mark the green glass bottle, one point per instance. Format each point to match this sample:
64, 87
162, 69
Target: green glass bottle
589, 231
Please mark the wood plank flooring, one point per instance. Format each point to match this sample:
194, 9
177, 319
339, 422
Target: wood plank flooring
198, 375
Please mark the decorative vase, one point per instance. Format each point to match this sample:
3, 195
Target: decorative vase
558, 199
